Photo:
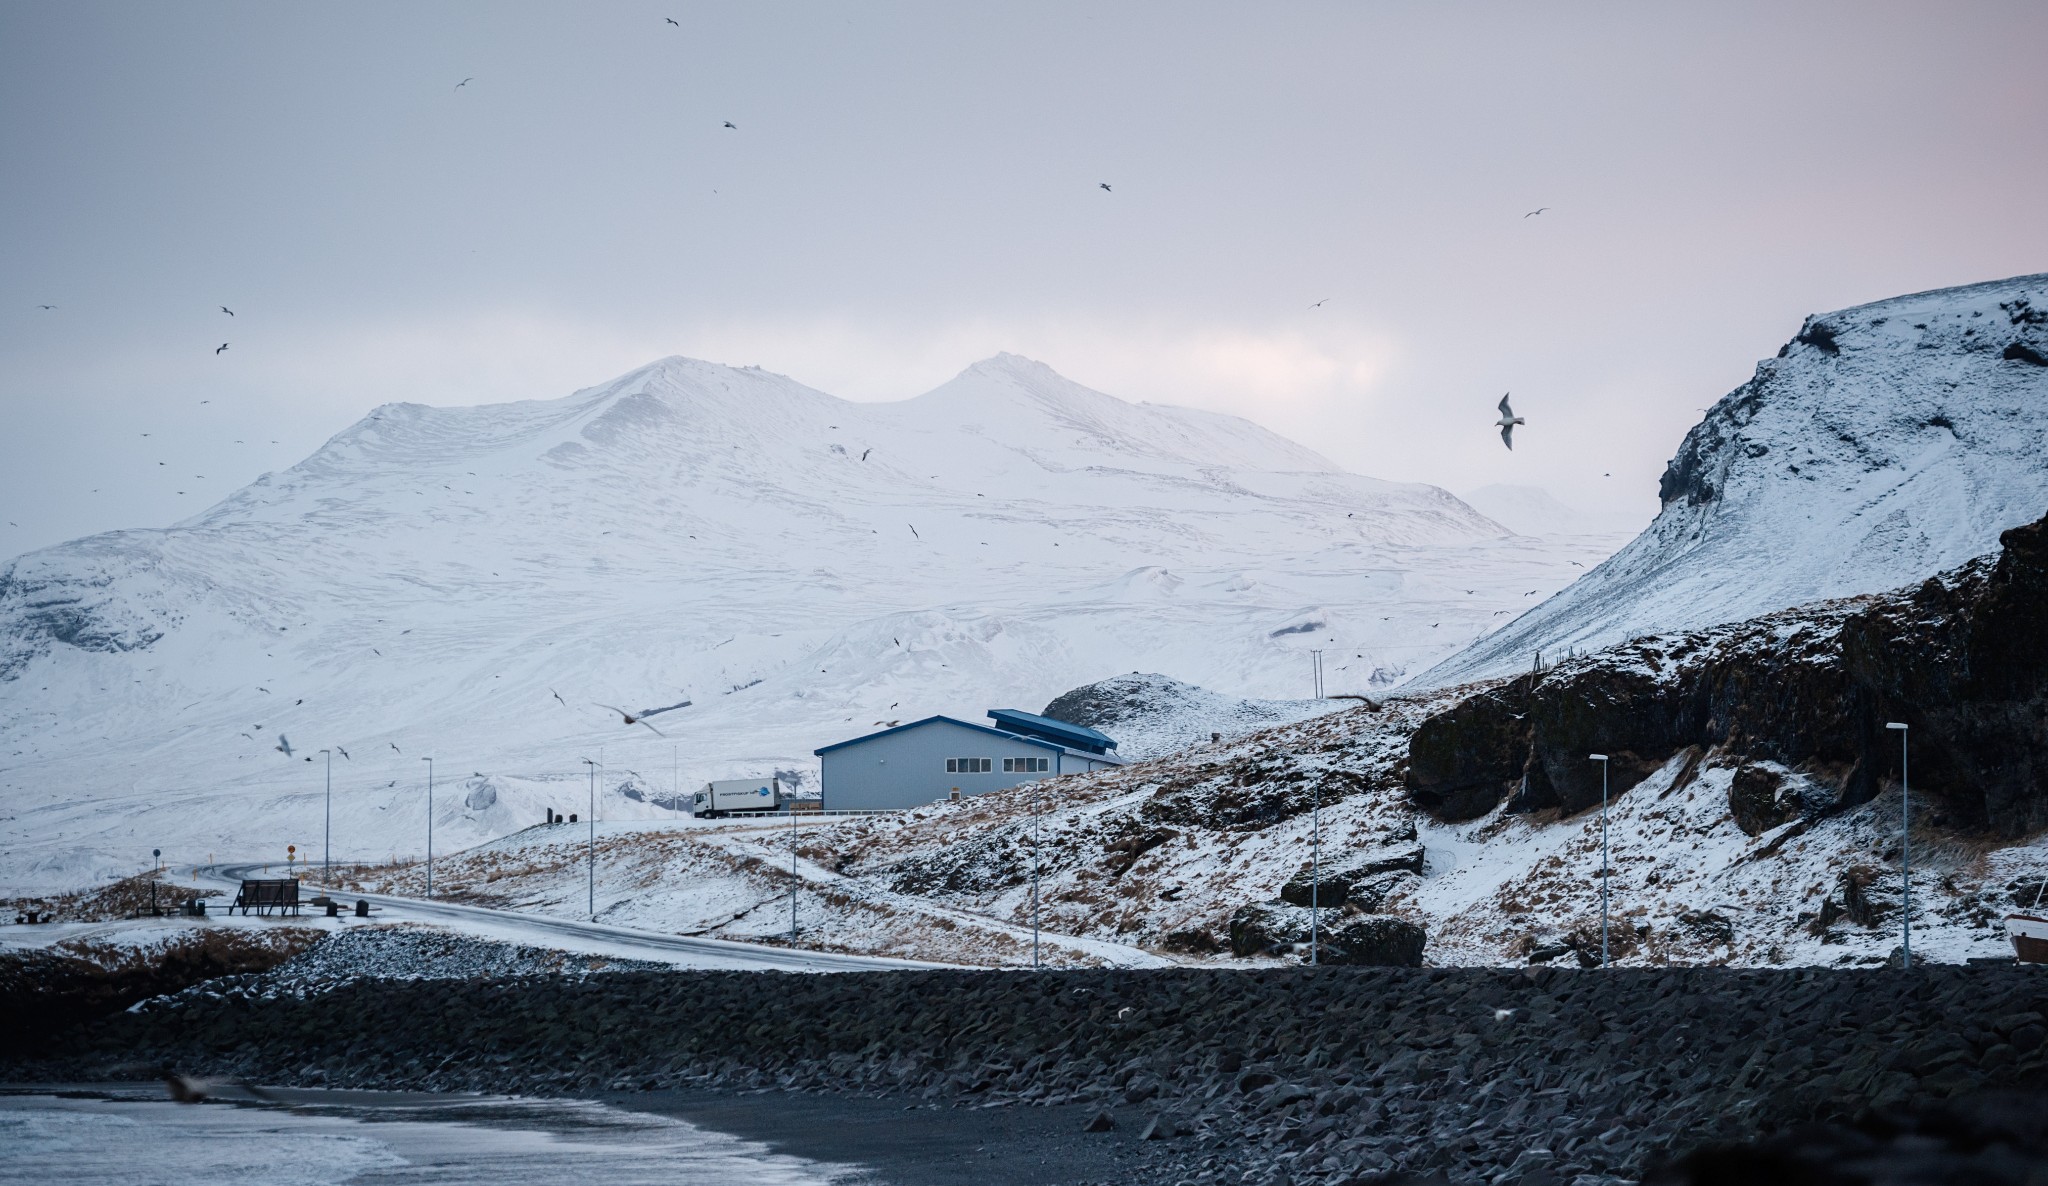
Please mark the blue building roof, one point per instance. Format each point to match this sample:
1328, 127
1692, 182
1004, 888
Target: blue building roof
1072, 736
1040, 743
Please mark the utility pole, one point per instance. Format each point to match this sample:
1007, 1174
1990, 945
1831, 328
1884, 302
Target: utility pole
1905, 851
792, 873
327, 824
430, 825
593, 837
1317, 658
1602, 759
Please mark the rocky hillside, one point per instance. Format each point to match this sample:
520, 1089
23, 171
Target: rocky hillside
1754, 803
1883, 444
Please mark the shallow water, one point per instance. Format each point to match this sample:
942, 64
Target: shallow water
315, 1138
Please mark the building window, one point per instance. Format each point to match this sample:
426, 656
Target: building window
1026, 765
969, 765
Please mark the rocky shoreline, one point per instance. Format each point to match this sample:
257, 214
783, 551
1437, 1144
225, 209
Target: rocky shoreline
1281, 1075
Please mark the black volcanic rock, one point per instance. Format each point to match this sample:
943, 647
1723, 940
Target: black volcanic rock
1962, 658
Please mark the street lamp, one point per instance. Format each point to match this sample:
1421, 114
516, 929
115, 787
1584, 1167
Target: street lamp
1602, 759
327, 824
1905, 850
430, 825
593, 837
1037, 860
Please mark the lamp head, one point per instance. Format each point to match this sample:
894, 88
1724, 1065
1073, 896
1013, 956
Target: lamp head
1900, 726
1596, 757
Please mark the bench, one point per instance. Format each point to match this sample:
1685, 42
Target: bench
262, 896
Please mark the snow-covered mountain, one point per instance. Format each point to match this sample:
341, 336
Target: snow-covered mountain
1883, 444
1532, 510
469, 584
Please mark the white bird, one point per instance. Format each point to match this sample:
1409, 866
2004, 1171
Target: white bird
1507, 423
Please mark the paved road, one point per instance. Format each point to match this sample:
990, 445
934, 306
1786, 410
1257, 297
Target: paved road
569, 935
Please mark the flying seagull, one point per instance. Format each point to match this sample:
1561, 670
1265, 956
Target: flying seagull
864, 454
1319, 304
46, 306
913, 529
465, 82
343, 753
1507, 423
1104, 187
1535, 212
673, 21
283, 746
394, 747
222, 346
633, 720
226, 310
735, 127
558, 698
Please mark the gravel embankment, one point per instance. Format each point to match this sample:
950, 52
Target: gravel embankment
1285, 1075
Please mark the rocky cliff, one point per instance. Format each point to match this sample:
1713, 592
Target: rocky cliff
1961, 658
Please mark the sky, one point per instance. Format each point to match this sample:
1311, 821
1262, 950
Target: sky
1318, 215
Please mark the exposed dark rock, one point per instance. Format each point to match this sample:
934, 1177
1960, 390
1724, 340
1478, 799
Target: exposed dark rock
1267, 928
2024, 351
1102, 1121
1341, 876
1962, 658
1754, 800
1373, 940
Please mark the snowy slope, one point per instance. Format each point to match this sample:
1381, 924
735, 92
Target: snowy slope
1883, 444
469, 583
1532, 510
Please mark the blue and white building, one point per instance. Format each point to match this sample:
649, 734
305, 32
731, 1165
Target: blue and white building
943, 758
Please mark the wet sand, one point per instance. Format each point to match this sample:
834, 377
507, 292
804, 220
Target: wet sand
922, 1145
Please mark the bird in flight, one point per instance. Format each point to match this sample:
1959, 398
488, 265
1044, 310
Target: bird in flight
913, 529
1104, 187
46, 306
1319, 304
1507, 423
465, 82
558, 698
864, 454
221, 347
343, 753
283, 746
394, 747
1576, 564
1535, 212
633, 720
735, 127
673, 21
226, 310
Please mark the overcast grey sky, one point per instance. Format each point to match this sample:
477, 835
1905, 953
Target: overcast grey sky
912, 187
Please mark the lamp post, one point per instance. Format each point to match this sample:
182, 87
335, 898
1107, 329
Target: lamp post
327, 823
1905, 850
593, 837
1037, 858
792, 873
1602, 759
430, 825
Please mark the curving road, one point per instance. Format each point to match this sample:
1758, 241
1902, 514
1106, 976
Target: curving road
586, 937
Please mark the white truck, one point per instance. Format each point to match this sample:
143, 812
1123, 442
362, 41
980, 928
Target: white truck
726, 795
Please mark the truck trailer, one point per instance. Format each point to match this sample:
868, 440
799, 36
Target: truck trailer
722, 797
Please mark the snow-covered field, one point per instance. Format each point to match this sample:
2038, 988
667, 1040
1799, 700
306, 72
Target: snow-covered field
470, 584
